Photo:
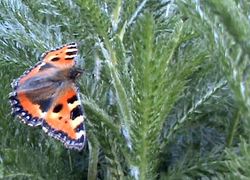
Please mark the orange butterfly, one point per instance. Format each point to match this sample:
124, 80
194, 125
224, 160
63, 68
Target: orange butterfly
47, 95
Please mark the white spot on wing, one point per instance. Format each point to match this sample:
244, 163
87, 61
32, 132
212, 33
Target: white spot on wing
70, 56
72, 106
14, 102
80, 134
42, 64
43, 114
12, 93
74, 123
45, 129
71, 50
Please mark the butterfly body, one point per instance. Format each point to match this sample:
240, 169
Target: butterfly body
47, 96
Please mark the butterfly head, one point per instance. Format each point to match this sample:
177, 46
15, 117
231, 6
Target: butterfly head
75, 73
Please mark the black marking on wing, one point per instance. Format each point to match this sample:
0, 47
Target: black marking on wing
71, 53
45, 104
57, 108
69, 58
46, 66
80, 127
72, 45
77, 111
72, 99
55, 59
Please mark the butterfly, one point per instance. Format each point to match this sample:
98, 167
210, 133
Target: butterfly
47, 95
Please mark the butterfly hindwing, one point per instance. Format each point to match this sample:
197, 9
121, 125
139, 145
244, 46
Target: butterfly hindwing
64, 120
47, 95
21, 107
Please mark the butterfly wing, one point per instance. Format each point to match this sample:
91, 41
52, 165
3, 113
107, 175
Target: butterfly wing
31, 84
64, 120
62, 57
34, 94
35, 80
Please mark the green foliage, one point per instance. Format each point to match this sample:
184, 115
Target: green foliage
238, 162
165, 88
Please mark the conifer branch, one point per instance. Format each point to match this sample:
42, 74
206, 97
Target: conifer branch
235, 22
122, 99
116, 15
20, 175
93, 157
233, 128
196, 105
137, 11
101, 115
